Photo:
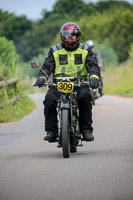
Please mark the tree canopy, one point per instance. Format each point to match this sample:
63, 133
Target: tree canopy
105, 20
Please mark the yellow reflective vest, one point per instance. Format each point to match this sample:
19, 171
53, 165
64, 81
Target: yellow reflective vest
70, 63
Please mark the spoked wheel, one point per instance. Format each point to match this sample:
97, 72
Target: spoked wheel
65, 133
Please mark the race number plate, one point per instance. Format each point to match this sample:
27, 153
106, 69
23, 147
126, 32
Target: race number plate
65, 87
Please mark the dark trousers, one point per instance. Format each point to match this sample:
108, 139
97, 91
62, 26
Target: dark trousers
85, 109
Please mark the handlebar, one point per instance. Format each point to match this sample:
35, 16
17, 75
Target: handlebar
78, 84
35, 85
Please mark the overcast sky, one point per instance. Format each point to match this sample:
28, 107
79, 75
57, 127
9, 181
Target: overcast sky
31, 8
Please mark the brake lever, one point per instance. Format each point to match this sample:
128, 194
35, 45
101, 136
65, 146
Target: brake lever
35, 84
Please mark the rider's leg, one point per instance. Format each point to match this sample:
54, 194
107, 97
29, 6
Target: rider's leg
85, 113
50, 113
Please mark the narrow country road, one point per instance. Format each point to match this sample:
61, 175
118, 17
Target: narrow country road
31, 169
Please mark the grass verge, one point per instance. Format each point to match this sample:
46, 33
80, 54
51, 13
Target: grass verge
11, 113
119, 80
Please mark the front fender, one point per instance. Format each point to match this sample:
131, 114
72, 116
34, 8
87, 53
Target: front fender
65, 105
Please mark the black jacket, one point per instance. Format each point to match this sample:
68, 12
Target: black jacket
91, 62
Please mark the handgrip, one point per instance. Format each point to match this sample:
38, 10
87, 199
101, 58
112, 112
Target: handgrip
35, 84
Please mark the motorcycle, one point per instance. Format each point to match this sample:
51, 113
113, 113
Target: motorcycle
69, 137
94, 95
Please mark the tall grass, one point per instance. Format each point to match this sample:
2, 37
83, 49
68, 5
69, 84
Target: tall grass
119, 80
11, 113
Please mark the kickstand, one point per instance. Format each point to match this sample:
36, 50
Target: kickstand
81, 144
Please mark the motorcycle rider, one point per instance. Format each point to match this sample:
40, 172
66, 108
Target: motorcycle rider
69, 58
90, 44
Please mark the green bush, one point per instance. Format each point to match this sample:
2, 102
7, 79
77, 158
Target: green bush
8, 58
11, 112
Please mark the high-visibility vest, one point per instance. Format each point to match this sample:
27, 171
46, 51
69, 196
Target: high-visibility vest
70, 63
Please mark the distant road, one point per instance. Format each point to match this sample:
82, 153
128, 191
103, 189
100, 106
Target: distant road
31, 169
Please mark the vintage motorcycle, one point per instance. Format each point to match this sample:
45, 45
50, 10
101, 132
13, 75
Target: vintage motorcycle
94, 95
69, 137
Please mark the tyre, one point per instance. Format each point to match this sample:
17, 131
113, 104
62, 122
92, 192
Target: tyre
65, 133
93, 100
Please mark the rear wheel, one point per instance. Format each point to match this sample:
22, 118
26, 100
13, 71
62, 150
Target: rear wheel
73, 149
73, 144
93, 95
65, 133
93, 101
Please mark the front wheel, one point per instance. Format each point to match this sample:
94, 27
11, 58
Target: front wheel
65, 133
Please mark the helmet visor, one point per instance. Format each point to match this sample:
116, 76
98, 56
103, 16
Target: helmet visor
70, 32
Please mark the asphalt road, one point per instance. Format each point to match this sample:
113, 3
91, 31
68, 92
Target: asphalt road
31, 169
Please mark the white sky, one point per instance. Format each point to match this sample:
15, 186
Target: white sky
31, 8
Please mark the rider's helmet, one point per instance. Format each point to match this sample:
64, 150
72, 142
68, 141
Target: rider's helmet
90, 43
68, 29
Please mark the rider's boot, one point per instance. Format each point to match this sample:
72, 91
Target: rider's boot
87, 135
51, 136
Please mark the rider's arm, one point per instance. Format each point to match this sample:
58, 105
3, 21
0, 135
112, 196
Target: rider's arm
91, 64
99, 58
48, 65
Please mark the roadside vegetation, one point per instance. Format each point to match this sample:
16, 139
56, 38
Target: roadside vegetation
108, 23
102, 21
11, 108
118, 80
11, 113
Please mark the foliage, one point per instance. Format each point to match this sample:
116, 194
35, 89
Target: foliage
131, 54
24, 68
116, 26
35, 42
112, 20
8, 58
12, 26
72, 8
119, 80
108, 54
14, 111
110, 5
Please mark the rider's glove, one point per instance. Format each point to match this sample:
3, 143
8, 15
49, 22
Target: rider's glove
94, 81
40, 82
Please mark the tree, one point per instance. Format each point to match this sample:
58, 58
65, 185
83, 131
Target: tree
74, 8
13, 27
111, 4
114, 25
8, 58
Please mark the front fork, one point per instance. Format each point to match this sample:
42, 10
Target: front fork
63, 103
